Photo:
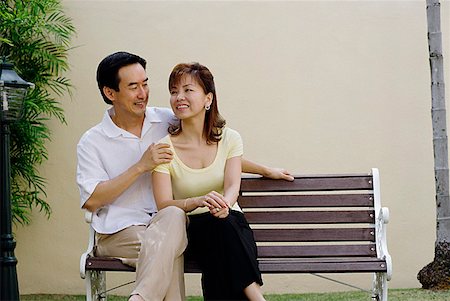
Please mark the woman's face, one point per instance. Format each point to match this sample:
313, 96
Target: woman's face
188, 99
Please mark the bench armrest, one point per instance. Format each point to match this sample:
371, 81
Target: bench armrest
90, 249
382, 250
381, 220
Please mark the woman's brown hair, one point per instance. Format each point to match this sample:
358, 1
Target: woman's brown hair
214, 122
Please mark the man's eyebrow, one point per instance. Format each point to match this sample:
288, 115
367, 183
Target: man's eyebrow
135, 83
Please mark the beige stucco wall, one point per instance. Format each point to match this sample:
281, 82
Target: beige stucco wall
314, 86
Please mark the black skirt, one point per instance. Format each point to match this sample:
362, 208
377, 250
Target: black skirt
226, 252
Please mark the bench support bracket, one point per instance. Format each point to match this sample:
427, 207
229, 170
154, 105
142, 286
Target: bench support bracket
380, 286
95, 286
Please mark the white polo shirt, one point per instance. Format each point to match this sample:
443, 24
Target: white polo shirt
106, 151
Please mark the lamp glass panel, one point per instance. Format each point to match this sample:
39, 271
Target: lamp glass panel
12, 102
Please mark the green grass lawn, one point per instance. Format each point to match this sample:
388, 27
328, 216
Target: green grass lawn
394, 295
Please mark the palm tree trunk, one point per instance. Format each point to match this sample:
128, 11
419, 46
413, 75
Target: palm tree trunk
436, 275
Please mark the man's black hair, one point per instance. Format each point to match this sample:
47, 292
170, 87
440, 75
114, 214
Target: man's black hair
108, 70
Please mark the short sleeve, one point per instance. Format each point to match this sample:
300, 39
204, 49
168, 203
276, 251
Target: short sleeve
90, 170
163, 168
235, 145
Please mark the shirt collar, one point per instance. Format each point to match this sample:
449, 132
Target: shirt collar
112, 130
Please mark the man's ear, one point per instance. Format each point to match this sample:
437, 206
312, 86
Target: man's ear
109, 93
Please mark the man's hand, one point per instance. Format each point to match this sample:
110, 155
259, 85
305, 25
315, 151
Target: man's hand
278, 174
155, 154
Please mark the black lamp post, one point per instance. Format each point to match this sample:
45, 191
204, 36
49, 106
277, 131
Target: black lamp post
12, 93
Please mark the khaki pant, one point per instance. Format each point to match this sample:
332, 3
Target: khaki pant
156, 251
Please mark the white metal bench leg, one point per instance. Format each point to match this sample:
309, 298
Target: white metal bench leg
380, 286
95, 286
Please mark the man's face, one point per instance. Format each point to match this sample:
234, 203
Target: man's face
132, 97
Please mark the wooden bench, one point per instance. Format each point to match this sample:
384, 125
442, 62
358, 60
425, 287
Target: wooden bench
315, 224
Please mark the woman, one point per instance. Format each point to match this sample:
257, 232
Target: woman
204, 179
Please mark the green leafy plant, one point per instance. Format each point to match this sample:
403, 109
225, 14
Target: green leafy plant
35, 36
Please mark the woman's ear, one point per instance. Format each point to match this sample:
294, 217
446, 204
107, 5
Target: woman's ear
209, 99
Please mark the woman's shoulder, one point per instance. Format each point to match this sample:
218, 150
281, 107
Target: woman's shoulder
231, 142
231, 138
165, 139
229, 133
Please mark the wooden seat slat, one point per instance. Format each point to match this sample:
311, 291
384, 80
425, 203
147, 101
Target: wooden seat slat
363, 250
113, 264
312, 235
327, 260
311, 217
315, 200
322, 267
107, 264
308, 183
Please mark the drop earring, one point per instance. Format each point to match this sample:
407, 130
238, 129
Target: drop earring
207, 107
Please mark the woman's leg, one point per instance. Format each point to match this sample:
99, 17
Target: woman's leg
226, 252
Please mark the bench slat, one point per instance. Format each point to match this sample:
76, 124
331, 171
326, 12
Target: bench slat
328, 265
363, 250
311, 217
286, 201
270, 266
311, 235
308, 183
107, 264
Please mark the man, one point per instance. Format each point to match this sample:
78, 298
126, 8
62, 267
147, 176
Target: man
115, 160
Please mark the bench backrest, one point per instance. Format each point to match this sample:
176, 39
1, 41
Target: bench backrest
314, 216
